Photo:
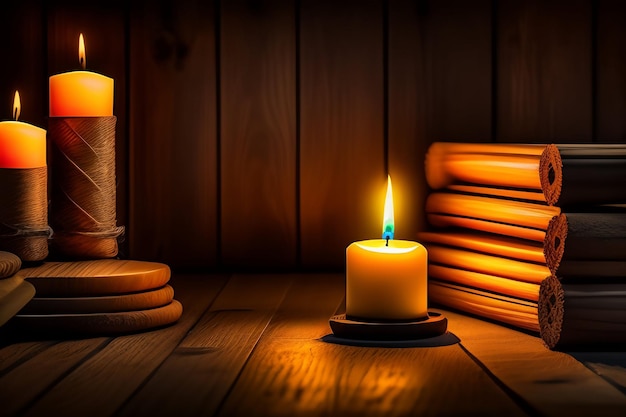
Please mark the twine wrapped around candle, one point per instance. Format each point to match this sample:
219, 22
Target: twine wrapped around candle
82, 210
24, 228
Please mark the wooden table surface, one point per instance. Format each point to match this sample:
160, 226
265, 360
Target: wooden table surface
260, 345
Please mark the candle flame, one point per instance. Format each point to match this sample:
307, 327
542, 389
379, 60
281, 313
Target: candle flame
17, 105
388, 222
82, 56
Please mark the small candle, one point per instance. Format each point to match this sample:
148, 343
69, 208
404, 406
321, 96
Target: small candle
81, 93
22, 145
386, 279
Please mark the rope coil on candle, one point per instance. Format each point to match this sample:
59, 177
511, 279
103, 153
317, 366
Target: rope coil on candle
83, 213
24, 228
12, 231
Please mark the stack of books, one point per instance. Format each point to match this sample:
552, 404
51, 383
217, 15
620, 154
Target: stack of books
532, 235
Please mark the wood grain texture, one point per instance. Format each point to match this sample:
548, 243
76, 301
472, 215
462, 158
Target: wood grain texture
7, 285
258, 134
15, 350
293, 372
512, 311
103, 25
9, 264
528, 368
609, 365
259, 348
102, 383
310, 377
505, 246
21, 22
310, 302
173, 145
428, 98
518, 213
25, 382
98, 277
544, 80
101, 324
459, 56
610, 50
485, 281
223, 339
12, 301
498, 265
342, 158
409, 98
106, 304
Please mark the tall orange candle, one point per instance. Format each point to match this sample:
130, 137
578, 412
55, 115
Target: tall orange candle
22, 145
24, 227
81, 93
82, 133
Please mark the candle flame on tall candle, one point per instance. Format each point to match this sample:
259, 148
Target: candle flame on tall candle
17, 106
388, 221
82, 56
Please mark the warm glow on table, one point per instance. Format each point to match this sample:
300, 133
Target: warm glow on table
22, 145
386, 278
81, 93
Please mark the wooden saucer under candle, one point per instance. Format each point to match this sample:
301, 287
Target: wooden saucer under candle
435, 324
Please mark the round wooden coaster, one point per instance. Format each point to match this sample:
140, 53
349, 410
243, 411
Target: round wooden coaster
96, 278
104, 304
9, 264
101, 323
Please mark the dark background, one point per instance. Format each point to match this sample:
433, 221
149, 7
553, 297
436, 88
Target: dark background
257, 134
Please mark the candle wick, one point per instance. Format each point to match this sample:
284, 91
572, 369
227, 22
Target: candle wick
387, 244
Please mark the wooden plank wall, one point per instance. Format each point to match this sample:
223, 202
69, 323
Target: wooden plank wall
257, 134
173, 174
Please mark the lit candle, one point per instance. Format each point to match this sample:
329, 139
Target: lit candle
81, 93
386, 279
22, 145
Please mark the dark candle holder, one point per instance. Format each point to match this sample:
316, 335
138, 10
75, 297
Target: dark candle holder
24, 228
82, 211
355, 328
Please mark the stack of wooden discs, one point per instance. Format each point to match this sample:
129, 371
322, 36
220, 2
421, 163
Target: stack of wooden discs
99, 297
14, 291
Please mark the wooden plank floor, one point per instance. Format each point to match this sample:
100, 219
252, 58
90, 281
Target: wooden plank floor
260, 345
